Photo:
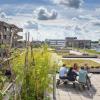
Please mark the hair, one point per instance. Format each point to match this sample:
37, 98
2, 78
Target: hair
82, 67
64, 65
70, 70
86, 64
75, 66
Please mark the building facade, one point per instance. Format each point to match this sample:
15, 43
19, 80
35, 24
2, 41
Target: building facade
7, 31
36, 43
75, 43
56, 43
8, 34
95, 45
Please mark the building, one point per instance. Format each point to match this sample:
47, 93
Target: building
7, 31
8, 34
56, 43
95, 45
36, 44
20, 44
75, 43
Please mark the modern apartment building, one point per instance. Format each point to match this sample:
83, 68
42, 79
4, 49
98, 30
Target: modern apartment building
7, 31
56, 43
69, 42
76, 43
8, 34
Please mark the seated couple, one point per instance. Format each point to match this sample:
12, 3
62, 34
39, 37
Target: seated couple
67, 74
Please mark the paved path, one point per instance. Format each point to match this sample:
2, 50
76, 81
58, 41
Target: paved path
69, 93
96, 60
75, 52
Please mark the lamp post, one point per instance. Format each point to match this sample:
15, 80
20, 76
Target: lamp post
84, 47
37, 29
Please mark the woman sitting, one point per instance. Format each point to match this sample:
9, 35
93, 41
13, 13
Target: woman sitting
75, 67
71, 76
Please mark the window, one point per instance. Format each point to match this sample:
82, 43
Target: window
4, 36
5, 29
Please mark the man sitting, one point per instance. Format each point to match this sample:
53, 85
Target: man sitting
63, 72
84, 78
82, 75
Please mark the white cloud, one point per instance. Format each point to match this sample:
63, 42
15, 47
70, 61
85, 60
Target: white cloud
85, 17
96, 23
3, 15
70, 22
31, 25
42, 13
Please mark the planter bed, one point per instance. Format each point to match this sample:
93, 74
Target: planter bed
72, 56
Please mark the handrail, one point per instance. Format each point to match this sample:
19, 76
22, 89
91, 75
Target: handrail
11, 58
7, 88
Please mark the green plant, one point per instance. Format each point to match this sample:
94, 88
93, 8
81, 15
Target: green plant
34, 76
1, 97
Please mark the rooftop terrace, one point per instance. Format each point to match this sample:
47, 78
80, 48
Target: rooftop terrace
67, 92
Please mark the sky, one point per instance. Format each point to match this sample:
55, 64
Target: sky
54, 19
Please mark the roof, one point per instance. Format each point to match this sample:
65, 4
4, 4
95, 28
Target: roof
2, 23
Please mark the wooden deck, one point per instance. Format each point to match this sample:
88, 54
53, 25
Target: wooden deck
69, 93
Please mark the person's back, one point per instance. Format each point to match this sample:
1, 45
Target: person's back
63, 72
82, 75
87, 68
71, 76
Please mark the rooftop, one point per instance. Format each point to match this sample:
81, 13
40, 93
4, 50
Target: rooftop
69, 93
2, 23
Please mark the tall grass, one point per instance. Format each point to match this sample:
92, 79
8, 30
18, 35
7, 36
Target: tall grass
36, 79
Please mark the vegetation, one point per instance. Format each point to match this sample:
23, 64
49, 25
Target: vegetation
80, 62
88, 51
32, 71
92, 51
34, 76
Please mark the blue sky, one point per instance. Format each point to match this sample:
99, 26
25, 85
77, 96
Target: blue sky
23, 1
37, 1
54, 18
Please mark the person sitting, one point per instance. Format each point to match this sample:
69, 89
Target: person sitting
82, 75
75, 67
71, 76
63, 72
83, 78
87, 68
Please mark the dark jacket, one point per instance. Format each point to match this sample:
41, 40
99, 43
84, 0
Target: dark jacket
71, 76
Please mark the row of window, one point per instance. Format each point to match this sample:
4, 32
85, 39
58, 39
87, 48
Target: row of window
4, 37
6, 28
57, 43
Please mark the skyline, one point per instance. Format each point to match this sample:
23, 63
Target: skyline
54, 18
